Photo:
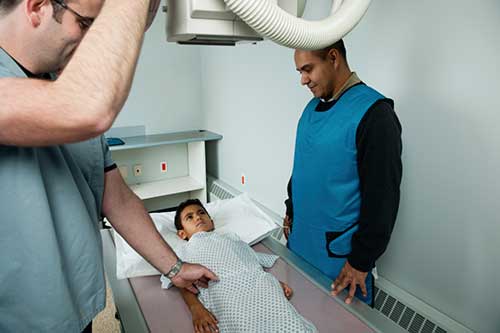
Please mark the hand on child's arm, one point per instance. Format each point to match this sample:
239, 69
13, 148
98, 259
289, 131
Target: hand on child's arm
203, 320
286, 290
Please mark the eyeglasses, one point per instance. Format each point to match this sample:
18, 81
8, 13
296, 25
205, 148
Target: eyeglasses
84, 21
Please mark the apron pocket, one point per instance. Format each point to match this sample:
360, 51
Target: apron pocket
338, 243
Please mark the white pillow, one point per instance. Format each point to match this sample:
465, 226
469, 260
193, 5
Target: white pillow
238, 215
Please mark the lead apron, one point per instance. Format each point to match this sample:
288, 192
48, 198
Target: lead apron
325, 182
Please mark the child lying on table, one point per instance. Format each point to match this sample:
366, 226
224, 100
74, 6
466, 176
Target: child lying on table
246, 298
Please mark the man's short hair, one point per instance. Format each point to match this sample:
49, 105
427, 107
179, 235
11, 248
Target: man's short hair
7, 5
182, 206
339, 46
58, 11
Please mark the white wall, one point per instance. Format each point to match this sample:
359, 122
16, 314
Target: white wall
439, 61
251, 97
441, 65
166, 89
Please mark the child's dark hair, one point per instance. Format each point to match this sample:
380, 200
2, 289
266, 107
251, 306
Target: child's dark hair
178, 212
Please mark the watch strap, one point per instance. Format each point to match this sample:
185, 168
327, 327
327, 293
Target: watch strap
176, 268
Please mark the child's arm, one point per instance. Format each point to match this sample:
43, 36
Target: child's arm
286, 290
203, 320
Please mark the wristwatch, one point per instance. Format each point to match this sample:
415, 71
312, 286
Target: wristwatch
176, 268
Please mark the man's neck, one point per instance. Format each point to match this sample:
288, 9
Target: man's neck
341, 83
339, 87
341, 79
14, 42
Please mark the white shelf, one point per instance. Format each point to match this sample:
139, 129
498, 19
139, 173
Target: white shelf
166, 187
147, 141
184, 152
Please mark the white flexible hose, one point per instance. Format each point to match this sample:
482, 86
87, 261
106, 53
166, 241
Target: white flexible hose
336, 5
283, 28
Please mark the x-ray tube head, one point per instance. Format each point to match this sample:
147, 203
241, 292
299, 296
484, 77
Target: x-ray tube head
226, 22
211, 22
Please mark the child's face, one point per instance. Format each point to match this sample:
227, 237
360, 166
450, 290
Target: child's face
194, 219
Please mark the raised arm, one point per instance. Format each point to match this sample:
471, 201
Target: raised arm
84, 101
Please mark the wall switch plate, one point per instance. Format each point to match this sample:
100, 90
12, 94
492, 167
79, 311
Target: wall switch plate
137, 170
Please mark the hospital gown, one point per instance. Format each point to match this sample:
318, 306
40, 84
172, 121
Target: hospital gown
246, 298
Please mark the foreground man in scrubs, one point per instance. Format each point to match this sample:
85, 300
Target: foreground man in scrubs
344, 190
57, 178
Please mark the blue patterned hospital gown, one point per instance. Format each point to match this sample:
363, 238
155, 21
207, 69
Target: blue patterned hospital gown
246, 299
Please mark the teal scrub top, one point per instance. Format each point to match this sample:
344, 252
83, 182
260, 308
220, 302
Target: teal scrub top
51, 268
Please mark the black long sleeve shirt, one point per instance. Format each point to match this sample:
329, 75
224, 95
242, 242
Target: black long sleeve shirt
379, 147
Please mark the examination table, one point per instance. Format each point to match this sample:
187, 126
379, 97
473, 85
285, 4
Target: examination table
144, 307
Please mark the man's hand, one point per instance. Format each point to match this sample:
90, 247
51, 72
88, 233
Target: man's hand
349, 276
191, 275
203, 320
153, 8
287, 226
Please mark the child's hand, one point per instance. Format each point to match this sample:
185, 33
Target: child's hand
286, 290
203, 320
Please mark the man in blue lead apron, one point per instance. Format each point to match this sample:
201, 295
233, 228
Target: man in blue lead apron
344, 190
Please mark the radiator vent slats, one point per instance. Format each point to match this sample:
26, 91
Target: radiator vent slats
380, 299
388, 305
397, 312
416, 324
406, 317
429, 327
220, 192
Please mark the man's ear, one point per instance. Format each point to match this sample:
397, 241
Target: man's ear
36, 10
182, 234
334, 57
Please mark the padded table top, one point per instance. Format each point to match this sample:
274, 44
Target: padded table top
165, 311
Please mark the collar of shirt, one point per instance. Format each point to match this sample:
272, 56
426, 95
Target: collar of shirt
351, 81
44, 76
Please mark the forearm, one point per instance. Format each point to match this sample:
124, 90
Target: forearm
375, 228
84, 101
190, 299
380, 172
134, 224
126, 213
107, 57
